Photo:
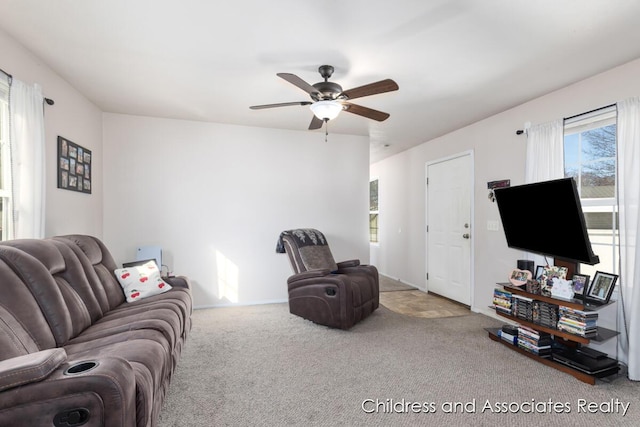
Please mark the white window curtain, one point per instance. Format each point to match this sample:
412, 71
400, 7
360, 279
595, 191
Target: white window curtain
545, 160
545, 152
628, 204
26, 109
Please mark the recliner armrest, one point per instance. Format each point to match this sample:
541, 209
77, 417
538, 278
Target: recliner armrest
30, 368
349, 263
308, 275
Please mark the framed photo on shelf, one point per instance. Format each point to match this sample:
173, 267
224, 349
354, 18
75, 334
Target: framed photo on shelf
74, 166
580, 284
519, 277
548, 274
601, 288
539, 272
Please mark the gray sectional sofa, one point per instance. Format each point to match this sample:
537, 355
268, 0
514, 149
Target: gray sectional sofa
73, 352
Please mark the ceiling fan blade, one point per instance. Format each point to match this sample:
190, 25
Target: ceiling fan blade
382, 86
297, 81
282, 104
369, 113
316, 123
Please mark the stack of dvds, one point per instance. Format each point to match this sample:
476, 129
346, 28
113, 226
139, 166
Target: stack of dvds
522, 307
509, 333
536, 342
502, 300
578, 322
545, 314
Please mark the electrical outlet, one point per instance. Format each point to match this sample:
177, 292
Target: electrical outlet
493, 225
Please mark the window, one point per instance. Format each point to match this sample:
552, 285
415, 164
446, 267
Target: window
590, 158
373, 211
4, 159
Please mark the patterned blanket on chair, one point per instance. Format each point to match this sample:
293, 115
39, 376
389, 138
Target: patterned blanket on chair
303, 237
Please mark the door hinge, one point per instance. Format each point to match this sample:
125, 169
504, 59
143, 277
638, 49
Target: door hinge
427, 276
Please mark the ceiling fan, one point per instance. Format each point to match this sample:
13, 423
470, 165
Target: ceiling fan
328, 98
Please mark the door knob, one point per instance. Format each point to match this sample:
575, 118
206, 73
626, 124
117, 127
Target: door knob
466, 235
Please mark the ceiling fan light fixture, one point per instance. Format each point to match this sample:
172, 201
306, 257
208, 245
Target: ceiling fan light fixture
326, 110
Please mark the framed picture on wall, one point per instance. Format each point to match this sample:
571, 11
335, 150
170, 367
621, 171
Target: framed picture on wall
74, 166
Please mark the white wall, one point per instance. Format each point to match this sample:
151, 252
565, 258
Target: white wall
215, 197
499, 154
204, 192
75, 118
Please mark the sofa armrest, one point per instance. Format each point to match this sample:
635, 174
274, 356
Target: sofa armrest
102, 389
30, 368
178, 281
349, 263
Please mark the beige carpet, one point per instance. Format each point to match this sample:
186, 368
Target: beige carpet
262, 366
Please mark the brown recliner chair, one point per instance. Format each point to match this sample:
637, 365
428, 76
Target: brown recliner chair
333, 294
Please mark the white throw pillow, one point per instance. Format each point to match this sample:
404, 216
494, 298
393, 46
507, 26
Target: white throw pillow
141, 281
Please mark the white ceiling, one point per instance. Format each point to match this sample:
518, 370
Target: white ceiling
456, 61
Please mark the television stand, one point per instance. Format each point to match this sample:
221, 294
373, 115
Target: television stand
565, 338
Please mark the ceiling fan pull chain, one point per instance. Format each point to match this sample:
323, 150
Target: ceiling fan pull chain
326, 129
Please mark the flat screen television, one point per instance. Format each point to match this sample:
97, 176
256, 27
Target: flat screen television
546, 218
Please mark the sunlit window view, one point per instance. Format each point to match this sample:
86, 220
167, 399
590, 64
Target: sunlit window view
590, 158
373, 211
4, 159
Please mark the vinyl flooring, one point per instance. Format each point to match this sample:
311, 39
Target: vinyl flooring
407, 300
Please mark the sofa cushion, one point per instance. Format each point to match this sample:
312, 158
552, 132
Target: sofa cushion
67, 271
141, 281
103, 280
94, 255
31, 295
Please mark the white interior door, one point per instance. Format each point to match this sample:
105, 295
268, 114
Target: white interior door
449, 233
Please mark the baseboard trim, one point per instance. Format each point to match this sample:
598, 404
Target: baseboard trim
402, 281
240, 304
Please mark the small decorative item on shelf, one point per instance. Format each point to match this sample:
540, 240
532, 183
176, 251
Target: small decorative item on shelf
533, 287
580, 284
519, 277
546, 280
539, 271
562, 288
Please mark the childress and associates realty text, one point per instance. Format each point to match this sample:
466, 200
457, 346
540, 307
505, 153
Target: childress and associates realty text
388, 406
